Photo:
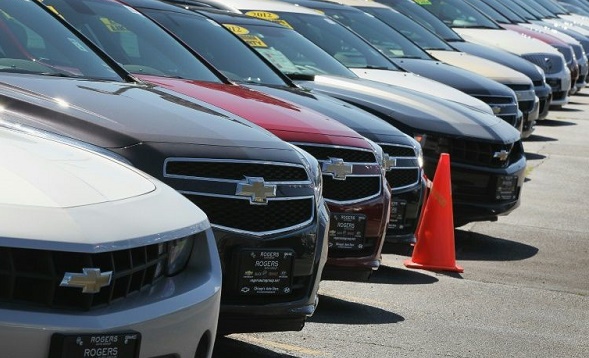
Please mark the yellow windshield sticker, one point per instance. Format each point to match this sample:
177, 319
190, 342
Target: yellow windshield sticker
238, 30
265, 15
423, 2
253, 41
269, 16
113, 26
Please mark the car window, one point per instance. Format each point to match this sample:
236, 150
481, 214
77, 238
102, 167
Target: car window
33, 41
133, 40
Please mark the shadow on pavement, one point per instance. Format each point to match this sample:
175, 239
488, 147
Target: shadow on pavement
539, 138
338, 311
554, 123
475, 246
565, 109
227, 347
534, 156
395, 276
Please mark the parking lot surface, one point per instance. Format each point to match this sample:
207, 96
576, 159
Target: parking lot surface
524, 291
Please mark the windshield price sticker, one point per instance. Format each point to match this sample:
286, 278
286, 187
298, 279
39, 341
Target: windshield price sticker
265, 272
398, 208
102, 345
346, 231
506, 188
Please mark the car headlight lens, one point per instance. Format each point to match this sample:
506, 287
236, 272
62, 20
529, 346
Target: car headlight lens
541, 71
178, 254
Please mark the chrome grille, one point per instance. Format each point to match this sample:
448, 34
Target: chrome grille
471, 152
495, 99
238, 213
213, 185
235, 170
549, 63
31, 277
356, 186
404, 173
347, 154
353, 188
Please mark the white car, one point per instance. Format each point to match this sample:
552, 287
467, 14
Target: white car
98, 259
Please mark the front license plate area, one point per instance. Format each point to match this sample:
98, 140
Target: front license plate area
103, 345
346, 231
398, 208
506, 187
265, 272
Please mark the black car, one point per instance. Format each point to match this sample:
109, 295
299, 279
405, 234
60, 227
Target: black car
487, 155
426, 19
403, 154
264, 195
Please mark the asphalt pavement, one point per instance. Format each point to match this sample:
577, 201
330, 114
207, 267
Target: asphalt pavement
524, 291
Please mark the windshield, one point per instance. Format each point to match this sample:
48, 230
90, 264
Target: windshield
424, 18
289, 51
133, 40
219, 47
489, 11
333, 38
508, 12
390, 42
553, 7
457, 13
33, 41
536, 9
521, 9
411, 29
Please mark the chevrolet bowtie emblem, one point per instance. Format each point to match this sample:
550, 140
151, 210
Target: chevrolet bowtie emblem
256, 189
90, 281
389, 162
337, 168
502, 155
496, 110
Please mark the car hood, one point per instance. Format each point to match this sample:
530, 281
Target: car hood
483, 67
117, 114
416, 82
500, 56
368, 125
414, 112
550, 39
508, 40
84, 201
287, 120
465, 81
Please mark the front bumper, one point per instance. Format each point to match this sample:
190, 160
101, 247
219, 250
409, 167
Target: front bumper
242, 312
560, 84
173, 317
358, 263
544, 94
406, 209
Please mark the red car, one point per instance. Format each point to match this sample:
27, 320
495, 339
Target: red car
354, 185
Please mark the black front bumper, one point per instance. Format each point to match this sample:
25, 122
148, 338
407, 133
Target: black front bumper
241, 313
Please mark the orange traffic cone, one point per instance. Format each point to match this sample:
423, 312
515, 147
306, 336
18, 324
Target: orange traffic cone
434, 249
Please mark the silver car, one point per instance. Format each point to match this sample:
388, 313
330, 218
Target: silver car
98, 259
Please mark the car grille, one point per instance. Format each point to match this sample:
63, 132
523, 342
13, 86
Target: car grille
495, 99
355, 187
526, 106
404, 173
31, 277
213, 186
549, 63
473, 153
236, 171
278, 214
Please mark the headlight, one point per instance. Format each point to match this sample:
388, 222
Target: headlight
178, 254
314, 168
541, 71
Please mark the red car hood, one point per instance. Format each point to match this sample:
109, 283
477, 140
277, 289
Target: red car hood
286, 120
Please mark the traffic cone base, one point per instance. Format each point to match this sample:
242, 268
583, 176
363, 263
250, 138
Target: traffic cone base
409, 263
434, 249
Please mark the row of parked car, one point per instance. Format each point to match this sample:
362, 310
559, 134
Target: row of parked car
179, 169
